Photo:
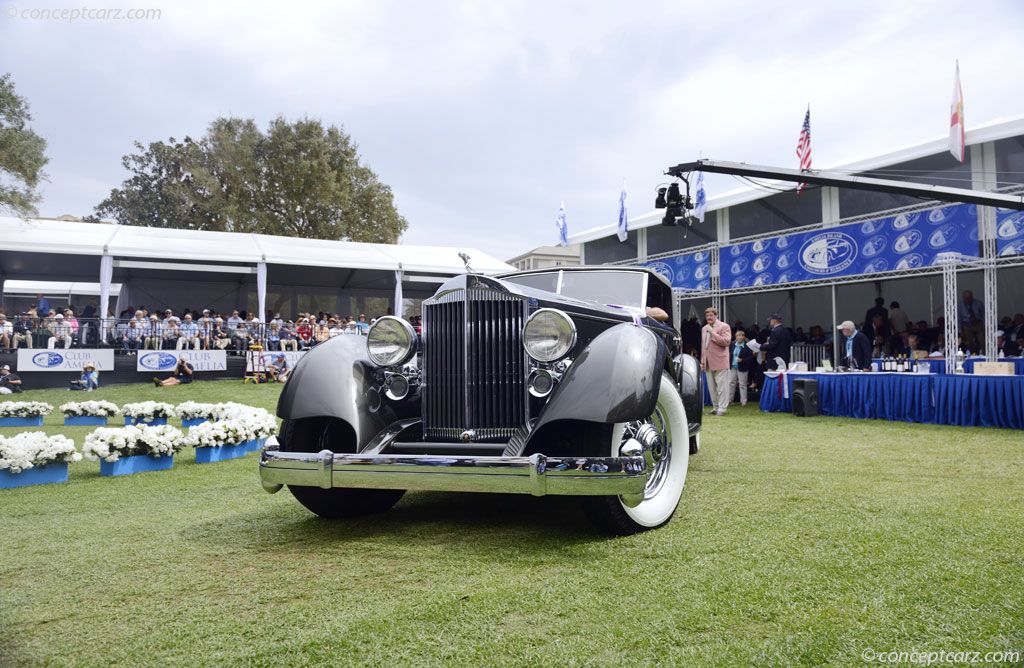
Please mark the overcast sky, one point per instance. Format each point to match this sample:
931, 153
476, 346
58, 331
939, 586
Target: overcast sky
484, 116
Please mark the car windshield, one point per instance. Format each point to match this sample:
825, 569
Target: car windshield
621, 288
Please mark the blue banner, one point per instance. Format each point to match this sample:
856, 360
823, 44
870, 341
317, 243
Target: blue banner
1009, 232
904, 241
685, 272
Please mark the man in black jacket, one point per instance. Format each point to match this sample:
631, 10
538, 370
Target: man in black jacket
854, 347
778, 342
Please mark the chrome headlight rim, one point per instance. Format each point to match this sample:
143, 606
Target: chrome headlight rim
572, 338
410, 348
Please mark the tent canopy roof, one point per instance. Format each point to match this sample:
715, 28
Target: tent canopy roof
19, 235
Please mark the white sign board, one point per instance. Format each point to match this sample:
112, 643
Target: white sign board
293, 357
165, 360
61, 359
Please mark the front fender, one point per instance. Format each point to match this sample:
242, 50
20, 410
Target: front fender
337, 379
615, 379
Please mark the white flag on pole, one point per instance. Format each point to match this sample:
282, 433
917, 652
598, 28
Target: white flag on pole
563, 229
701, 206
623, 219
956, 119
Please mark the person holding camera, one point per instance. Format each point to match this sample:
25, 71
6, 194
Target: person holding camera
182, 374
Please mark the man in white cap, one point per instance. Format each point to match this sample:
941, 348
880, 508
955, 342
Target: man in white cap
9, 382
854, 347
61, 331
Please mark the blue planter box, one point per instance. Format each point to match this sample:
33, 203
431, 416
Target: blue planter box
219, 454
21, 422
136, 464
193, 422
85, 419
152, 422
56, 472
255, 445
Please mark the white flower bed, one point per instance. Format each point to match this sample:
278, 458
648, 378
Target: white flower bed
112, 443
33, 449
193, 410
216, 434
89, 409
254, 422
24, 409
148, 409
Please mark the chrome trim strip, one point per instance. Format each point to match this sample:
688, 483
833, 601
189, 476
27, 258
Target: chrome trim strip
536, 475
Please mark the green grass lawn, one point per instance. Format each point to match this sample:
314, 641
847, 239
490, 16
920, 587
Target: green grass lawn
798, 542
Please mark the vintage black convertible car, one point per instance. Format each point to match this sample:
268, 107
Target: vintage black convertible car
557, 381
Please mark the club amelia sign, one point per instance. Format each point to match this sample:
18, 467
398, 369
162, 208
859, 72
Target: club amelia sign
151, 361
60, 359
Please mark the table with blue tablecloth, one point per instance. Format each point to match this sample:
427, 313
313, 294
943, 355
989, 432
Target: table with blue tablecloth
957, 399
938, 364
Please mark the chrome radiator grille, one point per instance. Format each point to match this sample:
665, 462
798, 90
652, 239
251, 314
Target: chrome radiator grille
474, 366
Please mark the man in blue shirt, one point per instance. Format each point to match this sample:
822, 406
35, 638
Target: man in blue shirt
188, 334
42, 306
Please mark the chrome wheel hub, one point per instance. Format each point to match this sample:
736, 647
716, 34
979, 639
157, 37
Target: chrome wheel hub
654, 438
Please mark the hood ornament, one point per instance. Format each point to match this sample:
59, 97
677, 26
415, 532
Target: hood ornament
465, 261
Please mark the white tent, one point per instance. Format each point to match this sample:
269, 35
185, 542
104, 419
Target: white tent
203, 267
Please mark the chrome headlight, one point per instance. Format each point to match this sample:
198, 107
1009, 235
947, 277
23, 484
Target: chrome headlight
549, 335
390, 341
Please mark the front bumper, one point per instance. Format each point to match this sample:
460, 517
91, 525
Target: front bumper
537, 475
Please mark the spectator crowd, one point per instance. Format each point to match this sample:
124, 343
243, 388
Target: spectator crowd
139, 329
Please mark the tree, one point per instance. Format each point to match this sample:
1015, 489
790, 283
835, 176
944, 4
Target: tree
297, 179
22, 153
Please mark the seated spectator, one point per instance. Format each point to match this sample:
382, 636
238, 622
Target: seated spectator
188, 334
206, 329
219, 337
233, 321
304, 333
274, 337
152, 334
72, 321
256, 333
1005, 347
9, 382
89, 381
240, 336
278, 371
6, 333
1017, 331
320, 333
131, 339
334, 328
61, 332
350, 328
23, 332
169, 332
182, 374
289, 339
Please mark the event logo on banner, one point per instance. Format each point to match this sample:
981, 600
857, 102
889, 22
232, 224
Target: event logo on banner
60, 359
1009, 232
166, 360
685, 272
828, 253
293, 357
904, 241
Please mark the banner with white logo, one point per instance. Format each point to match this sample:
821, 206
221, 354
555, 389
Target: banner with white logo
686, 272
904, 241
293, 357
60, 359
1009, 232
151, 361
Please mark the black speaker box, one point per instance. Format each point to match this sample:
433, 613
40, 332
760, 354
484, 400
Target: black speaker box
805, 397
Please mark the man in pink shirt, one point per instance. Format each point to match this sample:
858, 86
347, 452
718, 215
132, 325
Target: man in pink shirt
715, 338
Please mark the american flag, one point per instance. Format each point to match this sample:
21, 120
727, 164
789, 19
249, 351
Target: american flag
803, 147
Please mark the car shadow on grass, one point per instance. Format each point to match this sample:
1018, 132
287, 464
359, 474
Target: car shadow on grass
476, 522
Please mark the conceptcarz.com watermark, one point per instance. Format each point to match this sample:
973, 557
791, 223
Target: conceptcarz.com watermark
939, 658
83, 13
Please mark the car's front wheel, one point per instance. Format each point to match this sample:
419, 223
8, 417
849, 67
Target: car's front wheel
314, 435
669, 459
